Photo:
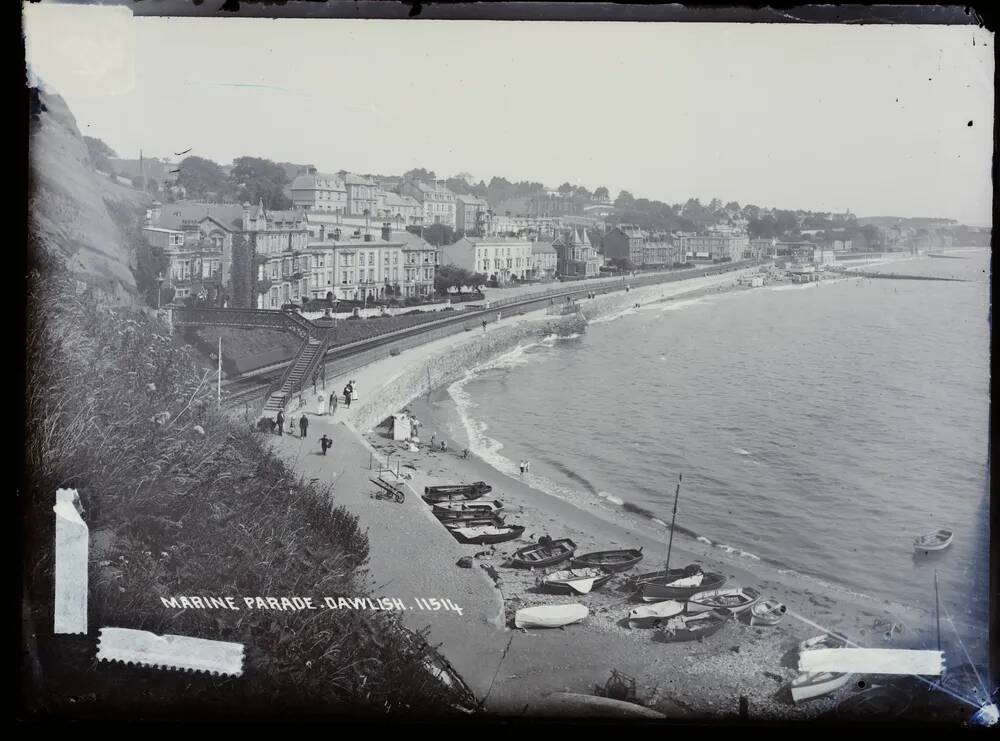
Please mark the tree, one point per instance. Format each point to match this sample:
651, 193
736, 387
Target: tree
565, 189
624, 200
100, 154
447, 276
439, 234
601, 194
202, 178
253, 179
582, 192
732, 206
419, 173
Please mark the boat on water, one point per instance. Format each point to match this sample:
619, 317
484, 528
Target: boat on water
936, 541
652, 616
546, 552
550, 616
615, 561
574, 581
465, 509
487, 534
691, 627
767, 612
808, 685
681, 589
456, 492
733, 600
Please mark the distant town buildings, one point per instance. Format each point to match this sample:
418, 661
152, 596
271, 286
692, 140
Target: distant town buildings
625, 242
501, 259
576, 256
437, 201
319, 191
545, 260
471, 214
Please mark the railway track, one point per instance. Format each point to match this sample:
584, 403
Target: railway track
243, 390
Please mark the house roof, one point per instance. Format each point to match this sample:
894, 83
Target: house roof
394, 199
471, 200
177, 215
540, 247
351, 179
309, 182
412, 241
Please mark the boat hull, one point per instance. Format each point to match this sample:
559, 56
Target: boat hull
550, 616
613, 561
565, 585
512, 533
811, 685
734, 601
558, 551
655, 591
696, 627
653, 615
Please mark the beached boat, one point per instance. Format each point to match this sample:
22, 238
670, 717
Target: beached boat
876, 703
651, 616
487, 534
683, 588
637, 580
767, 612
482, 521
733, 600
550, 616
934, 541
464, 508
546, 552
574, 705
808, 685
574, 581
614, 561
456, 492
691, 627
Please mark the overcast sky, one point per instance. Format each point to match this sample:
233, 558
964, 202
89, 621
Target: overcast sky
871, 118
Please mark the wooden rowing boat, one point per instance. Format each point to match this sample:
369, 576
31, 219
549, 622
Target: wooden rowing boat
767, 612
546, 552
464, 508
456, 492
732, 600
637, 580
614, 561
808, 685
574, 581
651, 616
487, 534
550, 616
482, 521
934, 541
657, 590
690, 627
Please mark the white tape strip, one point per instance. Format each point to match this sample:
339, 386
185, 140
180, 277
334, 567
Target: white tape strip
170, 651
872, 661
72, 550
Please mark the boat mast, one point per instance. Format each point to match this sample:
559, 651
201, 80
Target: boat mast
937, 610
670, 543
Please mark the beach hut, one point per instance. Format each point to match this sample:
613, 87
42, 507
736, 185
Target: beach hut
401, 429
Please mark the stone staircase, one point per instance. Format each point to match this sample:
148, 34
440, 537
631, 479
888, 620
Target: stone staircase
297, 375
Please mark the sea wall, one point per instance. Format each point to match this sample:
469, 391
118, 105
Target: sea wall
452, 364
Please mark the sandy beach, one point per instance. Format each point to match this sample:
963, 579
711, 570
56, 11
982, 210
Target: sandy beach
414, 556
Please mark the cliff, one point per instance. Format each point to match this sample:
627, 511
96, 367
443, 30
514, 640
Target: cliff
67, 211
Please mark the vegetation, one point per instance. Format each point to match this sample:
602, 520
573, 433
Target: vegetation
100, 154
180, 500
253, 179
447, 276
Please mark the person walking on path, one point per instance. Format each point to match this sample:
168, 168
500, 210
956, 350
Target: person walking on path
325, 443
315, 379
280, 420
347, 395
484, 325
303, 425
333, 402
433, 435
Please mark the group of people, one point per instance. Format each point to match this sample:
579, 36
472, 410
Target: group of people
279, 424
524, 465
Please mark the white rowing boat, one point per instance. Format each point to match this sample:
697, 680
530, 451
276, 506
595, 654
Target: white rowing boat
937, 541
574, 581
808, 685
550, 616
651, 616
732, 599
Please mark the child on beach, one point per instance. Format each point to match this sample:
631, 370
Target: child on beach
522, 466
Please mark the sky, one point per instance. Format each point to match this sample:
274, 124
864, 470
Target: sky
881, 120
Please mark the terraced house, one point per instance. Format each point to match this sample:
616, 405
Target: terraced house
319, 191
362, 194
197, 239
276, 240
437, 201
501, 259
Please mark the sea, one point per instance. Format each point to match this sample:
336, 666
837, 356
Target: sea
817, 427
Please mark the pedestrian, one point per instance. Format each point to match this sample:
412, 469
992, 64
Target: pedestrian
443, 447
280, 422
315, 379
465, 453
354, 390
521, 466
303, 425
333, 402
498, 316
433, 435
347, 395
527, 465
484, 325
325, 443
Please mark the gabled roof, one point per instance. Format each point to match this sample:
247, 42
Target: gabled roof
412, 241
309, 182
177, 215
540, 247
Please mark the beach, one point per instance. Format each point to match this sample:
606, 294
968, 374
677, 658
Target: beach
414, 556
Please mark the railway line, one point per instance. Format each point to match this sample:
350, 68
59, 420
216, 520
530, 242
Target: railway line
345, 358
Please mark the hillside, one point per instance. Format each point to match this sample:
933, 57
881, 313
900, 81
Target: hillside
66, 205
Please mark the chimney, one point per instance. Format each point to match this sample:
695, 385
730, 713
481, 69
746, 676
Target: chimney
368, 237
322, 232
386, 232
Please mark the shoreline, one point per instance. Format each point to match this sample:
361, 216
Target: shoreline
703, 680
